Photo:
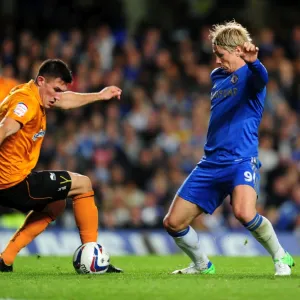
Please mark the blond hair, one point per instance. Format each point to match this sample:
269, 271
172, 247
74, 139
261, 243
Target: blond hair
229, 35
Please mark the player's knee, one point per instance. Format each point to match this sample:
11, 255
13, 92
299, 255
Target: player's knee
171, 224
86, 184
81, 184
243, 215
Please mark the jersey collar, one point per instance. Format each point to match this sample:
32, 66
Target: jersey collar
35, 91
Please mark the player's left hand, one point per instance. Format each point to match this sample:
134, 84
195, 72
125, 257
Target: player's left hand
249, 52
110, 92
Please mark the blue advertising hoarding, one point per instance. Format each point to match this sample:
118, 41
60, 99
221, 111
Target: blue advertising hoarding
121, 242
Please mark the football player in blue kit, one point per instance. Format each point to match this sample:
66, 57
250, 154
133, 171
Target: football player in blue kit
230, 165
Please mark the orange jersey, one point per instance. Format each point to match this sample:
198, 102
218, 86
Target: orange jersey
20, 152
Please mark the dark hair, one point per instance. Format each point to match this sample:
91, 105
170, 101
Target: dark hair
55, 68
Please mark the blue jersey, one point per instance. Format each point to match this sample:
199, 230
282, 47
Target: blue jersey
237, 104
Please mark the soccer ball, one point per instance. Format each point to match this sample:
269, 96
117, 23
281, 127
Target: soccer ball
90, 258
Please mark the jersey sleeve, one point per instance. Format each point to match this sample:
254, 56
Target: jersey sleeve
21, 107
259, 74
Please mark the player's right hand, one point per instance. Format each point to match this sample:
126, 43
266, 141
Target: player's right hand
110, 92
250, 52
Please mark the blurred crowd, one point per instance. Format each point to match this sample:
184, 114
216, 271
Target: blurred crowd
139, 150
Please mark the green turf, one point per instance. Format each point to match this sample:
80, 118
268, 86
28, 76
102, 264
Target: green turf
149, 278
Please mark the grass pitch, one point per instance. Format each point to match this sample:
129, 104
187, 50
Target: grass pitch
148, 277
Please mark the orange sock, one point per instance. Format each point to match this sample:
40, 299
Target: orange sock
86, 217
35, 223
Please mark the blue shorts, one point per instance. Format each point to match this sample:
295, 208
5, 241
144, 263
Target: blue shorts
209, 183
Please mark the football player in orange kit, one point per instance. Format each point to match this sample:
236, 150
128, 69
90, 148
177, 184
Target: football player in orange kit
42, 194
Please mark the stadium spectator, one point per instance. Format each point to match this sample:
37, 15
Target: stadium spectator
127, 147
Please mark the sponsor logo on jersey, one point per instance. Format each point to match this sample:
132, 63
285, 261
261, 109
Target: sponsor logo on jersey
21, 109
40, 134
221, 94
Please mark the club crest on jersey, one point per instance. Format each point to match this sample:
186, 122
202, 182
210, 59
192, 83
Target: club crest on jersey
40, 134
234, 79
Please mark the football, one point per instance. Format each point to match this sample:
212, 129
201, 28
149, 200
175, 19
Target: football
90, 258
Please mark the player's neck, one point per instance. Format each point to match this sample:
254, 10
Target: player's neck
239, 64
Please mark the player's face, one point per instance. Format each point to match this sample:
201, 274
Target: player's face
229, 61
49, 88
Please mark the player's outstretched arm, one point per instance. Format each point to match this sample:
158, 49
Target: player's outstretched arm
68, 100
8, 126
250, 56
